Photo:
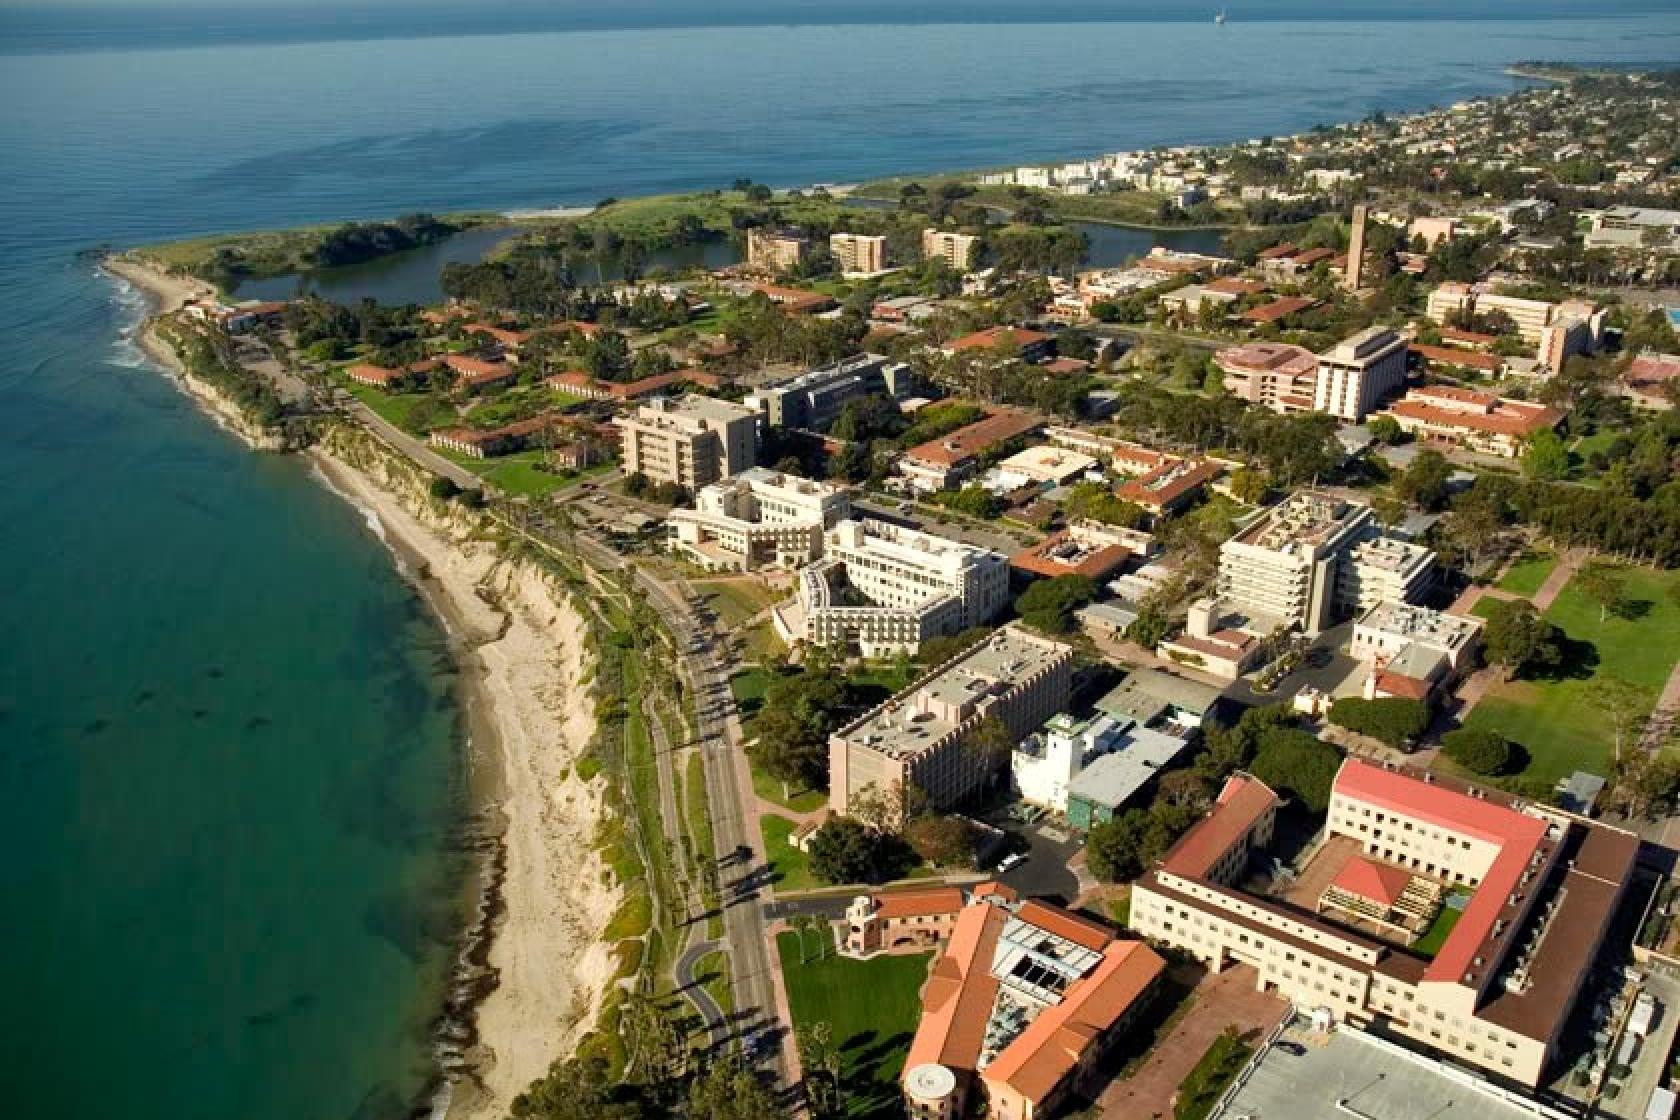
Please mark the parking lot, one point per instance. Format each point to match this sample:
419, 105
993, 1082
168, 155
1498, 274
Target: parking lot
1045, 872
1345, 1073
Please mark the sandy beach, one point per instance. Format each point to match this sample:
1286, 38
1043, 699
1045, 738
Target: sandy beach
527, 669
517, 638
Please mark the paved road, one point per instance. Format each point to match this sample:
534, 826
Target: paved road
693, 987
729, 790
413, 448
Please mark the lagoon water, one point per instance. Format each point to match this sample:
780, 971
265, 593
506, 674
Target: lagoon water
231, 766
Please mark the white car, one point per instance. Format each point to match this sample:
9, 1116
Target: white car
1010, 863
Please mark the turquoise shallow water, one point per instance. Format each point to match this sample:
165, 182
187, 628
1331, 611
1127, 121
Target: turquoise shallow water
230, 762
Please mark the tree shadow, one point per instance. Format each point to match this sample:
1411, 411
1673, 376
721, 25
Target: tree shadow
1577, 661
1632, 610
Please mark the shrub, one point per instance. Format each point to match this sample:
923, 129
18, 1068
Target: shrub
444, 488
1394, 720
1479, 751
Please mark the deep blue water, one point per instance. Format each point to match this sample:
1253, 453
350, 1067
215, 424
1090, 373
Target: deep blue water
229, 757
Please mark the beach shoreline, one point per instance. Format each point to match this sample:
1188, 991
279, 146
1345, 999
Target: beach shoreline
512, 1005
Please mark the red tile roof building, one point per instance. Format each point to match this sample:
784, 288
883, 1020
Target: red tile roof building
1478, 421
934, 465
1543, 888
473, 375
1022, 1008
1279, 309
1275, 375
1028, 345
1171, 486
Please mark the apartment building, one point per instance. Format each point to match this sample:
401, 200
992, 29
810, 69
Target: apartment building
885, 589
1357, 373
858, 252
918, 736
1482, 422
1536, 890
1027, 1002
756, 519
692, 440
776, 250
955, 249
1383, 570
813, 399
1274, 375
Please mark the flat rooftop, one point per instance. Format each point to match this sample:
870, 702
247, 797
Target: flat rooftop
1421, 624
1347, 1071
923, 714
1301, 523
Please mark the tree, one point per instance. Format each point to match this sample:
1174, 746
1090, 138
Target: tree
1478, 751
944, 841
1295, 762
845, 850
1425, 481
1048, 605
1546, 457
443, 488
1249, 486
1114, 848
577, 1089
790, 733
1394, 720
1605, 585
729, 1090
991, 741
1645, 782
1097, 502
1517, 638
1625, 707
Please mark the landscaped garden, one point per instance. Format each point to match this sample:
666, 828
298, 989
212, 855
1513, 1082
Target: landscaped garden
871, 1009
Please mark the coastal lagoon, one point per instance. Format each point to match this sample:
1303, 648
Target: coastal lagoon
231, 759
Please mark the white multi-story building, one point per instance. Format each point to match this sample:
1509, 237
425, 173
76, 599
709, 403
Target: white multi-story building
1284, 568
1384, 569
758, 518
884, 589
692, 441
1412, 651
1357, 373
1531, 316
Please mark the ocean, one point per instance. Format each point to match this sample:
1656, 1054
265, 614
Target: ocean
232, 764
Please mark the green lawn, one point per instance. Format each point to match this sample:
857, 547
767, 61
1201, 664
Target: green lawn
395, 408
871, 1008
712, 971
770, 789
790, 867
1530, 571
1552, 718
1436, 935
748, 687
736, 600
1485, 606
1218, 1067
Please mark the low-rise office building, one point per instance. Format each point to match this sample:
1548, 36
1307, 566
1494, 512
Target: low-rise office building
1481, 422
756, 519
691, 441
884, 589
918, 736
1025, 1005
1412, 651
1535, 892
1170, 487
943, 463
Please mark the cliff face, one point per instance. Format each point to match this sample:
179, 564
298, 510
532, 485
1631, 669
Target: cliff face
399, 477
227, 411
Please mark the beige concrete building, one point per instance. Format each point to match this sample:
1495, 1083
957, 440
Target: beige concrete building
1357, 373
955, 249
883, 589
756, 519
776, 250
918, 736
1285, 566
1535, 891
1531, 316
692, 441
858, 252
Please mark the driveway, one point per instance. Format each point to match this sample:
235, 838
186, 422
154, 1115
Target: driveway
1045, 874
